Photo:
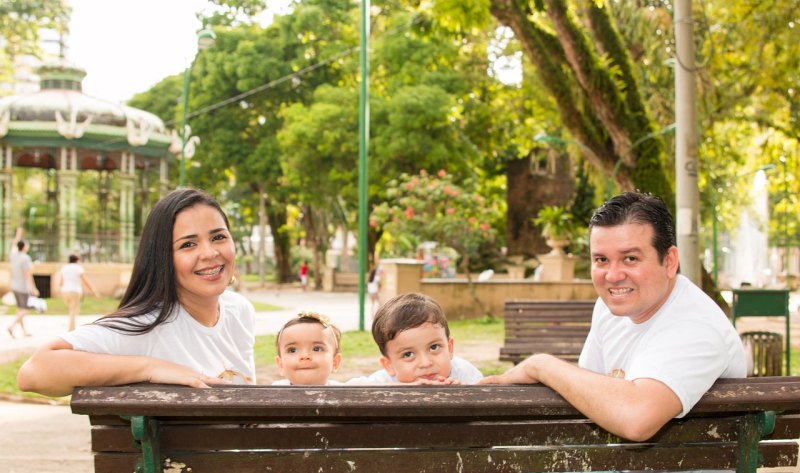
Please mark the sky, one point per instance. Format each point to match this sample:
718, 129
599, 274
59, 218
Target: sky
128, 46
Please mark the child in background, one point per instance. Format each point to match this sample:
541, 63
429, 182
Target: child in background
412, 333
308, 350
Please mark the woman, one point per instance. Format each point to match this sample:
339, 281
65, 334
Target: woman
176, 323
73, 278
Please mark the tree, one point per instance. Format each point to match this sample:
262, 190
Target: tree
20, 25
434, 208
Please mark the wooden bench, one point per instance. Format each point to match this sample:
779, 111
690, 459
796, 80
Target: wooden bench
739, 423
536, 326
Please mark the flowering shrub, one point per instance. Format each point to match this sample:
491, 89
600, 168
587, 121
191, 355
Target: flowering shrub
433, 208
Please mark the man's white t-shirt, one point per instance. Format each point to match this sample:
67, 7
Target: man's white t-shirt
687, 345
222, 351
460, 370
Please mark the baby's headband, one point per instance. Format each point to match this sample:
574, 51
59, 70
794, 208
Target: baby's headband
322, 319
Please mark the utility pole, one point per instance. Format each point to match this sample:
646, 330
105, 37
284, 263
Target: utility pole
687, 194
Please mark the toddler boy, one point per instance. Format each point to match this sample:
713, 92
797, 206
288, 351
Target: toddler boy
412, 333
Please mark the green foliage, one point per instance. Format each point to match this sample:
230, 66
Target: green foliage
162, 100
20, 24
556, 223
434, 208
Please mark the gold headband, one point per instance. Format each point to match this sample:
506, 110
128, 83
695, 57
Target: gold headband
322, 319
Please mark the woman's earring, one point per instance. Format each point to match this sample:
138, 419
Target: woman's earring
232, 281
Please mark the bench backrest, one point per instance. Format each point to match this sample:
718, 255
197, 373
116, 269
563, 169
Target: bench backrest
555, 327
425, 429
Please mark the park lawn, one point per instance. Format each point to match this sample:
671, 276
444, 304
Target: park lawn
106, 305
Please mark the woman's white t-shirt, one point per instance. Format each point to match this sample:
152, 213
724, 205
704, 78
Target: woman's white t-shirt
222, 351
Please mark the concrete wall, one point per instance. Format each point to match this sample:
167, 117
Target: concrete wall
400, 276
454, 296
110, 279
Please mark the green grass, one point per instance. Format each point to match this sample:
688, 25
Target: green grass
8, 384
106, 305
354, 344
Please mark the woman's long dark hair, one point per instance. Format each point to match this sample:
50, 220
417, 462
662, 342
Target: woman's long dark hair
152, 288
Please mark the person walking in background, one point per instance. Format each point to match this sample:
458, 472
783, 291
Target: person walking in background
374, 288
22, 283
72, 275
304, 275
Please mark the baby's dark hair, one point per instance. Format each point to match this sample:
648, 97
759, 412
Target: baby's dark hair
403, 312
310, 318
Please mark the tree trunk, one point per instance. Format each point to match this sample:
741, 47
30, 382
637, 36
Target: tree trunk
543, 177
281, 244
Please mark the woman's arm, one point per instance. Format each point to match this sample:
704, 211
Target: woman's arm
89, 285
55, 369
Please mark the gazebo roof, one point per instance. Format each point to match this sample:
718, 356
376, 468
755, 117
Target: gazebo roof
60, 114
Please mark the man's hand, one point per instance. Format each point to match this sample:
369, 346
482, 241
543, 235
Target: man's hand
523, 373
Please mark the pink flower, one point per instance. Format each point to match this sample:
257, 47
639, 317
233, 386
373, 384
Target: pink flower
447, 190
441, 173
373, 223
409, 212
450, 211
472, 220
422, 172
484, 226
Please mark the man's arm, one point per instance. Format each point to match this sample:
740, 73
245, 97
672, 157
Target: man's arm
55, 369
634, 410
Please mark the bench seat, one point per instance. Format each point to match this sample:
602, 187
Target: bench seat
536, 326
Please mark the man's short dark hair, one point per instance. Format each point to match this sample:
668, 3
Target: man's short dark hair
645, 209
404, 312
20, 245
74, 258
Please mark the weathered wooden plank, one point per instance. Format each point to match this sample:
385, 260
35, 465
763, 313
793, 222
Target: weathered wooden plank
245, 435
117, 462
786, 427
381, 402
438, 461
429, 460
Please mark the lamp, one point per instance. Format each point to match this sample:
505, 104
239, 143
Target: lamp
205, 39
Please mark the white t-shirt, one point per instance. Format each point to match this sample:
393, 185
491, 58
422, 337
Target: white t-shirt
224, 350
460, 370
687, 345
71, 278
285, 382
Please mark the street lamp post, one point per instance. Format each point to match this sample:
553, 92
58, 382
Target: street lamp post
785, 200
205, 38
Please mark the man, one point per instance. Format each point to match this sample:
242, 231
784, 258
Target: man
657, 342
22, 283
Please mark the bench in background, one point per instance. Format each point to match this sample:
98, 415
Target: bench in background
536, 326
739, 423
